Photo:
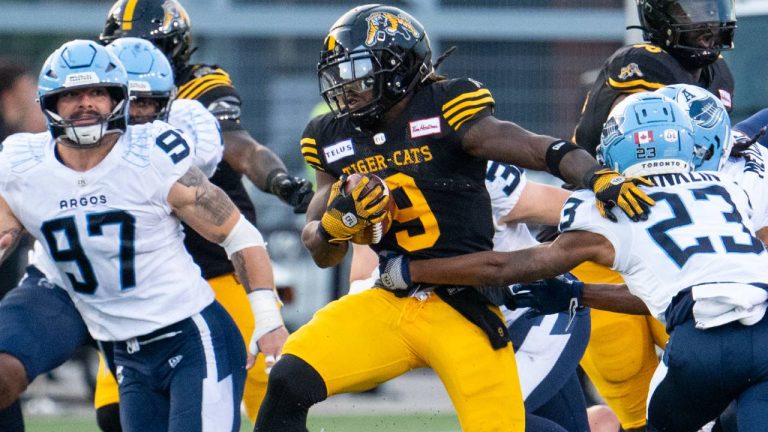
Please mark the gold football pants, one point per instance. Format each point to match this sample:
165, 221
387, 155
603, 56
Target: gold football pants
232, 296
621, 356
362, 340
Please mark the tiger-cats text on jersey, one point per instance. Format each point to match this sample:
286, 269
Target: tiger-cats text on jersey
443, 208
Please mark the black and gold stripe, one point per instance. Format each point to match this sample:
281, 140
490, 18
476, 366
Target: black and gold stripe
130, 7
309, 151
464, 107
634, 86
198, 86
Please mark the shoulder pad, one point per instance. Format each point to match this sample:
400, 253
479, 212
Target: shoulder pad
644, 67
23, 151
462, 100
203, 79
201, 70
308, 143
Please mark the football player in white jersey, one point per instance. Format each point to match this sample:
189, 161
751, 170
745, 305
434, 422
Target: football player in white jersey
695, 263
105, 200
150, 85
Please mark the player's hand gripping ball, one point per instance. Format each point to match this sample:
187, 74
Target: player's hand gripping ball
374, 232
359, 210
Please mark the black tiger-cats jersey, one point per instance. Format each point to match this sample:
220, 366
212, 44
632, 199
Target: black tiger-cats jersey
211, 86
443, 208
637, 68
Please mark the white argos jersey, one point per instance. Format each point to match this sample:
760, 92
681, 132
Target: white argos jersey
116, 247
203, 131
203, 135
750, 173
699, 234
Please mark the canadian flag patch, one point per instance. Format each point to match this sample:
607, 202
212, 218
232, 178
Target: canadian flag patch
643, 137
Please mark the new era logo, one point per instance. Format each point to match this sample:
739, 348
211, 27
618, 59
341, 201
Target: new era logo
175, 360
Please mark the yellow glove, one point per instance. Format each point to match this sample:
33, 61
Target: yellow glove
350, 213
612, 189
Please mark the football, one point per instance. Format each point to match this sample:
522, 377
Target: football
374, 233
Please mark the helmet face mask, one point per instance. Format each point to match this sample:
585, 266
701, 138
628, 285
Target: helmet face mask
693, 31
645, 134
150, 79
372, 58
165, 23
77, 65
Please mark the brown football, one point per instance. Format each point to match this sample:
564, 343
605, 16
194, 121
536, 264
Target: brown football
372, 234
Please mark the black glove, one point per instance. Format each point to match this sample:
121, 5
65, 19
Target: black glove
294, 191
743, 142
612, 189
552, 295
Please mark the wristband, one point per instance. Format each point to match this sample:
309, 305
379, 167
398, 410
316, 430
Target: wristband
271, 179
266, 313
555, 153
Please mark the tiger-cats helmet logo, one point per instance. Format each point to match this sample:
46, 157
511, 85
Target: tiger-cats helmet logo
630, 70
381, 24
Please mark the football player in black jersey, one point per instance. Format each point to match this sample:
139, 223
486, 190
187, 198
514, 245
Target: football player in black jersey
684, 39
166, 24
429, 138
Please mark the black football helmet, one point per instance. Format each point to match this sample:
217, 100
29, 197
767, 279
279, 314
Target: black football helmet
165, 23
377, 49
693, 31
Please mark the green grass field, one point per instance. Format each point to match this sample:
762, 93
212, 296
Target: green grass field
384, 423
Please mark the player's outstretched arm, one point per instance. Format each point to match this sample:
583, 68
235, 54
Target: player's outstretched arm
531, 208
265, 169
11, 230
504, 141
500, 269
612, 298
210, 212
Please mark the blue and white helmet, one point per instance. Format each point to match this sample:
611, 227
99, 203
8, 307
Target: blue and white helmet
647, 133
82, 64
149, 72
711, 124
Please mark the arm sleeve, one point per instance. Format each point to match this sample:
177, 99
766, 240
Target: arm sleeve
463, 102
212, 87
309, 147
